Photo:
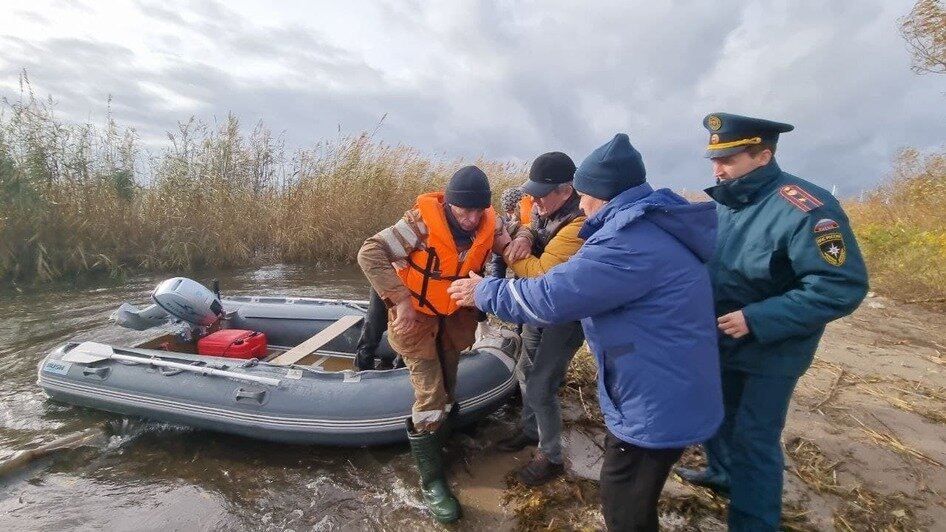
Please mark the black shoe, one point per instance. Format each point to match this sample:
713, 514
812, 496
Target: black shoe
364, 360
539, 470
385, 364
515, 443
705, 478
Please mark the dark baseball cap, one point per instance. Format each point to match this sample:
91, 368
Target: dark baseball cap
548, 171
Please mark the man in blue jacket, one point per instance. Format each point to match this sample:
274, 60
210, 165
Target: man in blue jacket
786, 264
641, 289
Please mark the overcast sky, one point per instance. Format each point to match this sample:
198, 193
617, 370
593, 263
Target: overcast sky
505, 80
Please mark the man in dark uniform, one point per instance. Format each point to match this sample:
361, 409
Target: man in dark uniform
786, 264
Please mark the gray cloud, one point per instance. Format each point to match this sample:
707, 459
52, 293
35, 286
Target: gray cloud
83, 73
508, 81
160, 11
30, 16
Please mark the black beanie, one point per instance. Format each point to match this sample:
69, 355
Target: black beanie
469, 189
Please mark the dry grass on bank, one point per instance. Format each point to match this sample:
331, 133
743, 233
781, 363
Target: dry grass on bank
77, 199
581, 385
861, 508
901, 228
566, 503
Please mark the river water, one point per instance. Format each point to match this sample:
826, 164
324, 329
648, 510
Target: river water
143, 475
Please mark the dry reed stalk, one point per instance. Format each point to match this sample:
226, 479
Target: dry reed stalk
702, 503
861, 508
583, 374
83, 199
871, 385
832, 390
933, 414
867, 510
568, 503
822, 363
925, 391
813, 467
895, 444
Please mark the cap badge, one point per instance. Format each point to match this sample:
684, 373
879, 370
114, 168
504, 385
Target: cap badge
714, 122
714, 139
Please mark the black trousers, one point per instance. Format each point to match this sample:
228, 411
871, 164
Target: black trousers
376, 322
632, 478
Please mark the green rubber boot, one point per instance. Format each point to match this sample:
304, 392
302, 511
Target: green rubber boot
441, 503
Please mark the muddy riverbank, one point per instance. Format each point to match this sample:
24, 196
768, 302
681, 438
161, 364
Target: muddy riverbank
865, 439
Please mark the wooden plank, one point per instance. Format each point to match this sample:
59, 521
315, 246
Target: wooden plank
321, 338
318, 363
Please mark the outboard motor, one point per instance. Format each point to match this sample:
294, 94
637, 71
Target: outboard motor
179, 297
188, 300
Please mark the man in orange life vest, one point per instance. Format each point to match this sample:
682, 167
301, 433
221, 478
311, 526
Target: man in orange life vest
411, 264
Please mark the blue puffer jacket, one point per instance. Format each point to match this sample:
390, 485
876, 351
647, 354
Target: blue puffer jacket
641, 289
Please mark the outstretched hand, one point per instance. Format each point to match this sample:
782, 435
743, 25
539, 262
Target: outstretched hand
462, 290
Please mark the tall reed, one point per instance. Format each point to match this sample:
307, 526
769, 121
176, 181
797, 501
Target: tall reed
77, 199
81, 198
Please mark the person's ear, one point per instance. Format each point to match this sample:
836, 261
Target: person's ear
765, 157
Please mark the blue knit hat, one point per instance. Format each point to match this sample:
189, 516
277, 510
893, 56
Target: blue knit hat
610, 169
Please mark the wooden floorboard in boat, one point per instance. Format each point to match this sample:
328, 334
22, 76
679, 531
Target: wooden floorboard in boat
169, 342
338, 364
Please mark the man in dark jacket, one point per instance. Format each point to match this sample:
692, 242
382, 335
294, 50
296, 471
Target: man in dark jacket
641, 289
786, 264
550, 239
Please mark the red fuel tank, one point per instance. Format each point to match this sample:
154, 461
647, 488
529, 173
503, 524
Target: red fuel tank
233, 343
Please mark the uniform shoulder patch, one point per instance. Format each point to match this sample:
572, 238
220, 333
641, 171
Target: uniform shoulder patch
831, 245
799, 198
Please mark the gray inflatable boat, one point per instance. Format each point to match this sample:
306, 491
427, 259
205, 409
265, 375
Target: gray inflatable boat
317, 399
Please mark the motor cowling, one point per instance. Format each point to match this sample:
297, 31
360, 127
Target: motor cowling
188, 300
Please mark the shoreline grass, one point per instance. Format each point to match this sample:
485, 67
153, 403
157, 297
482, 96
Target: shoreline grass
901, 229
79, 199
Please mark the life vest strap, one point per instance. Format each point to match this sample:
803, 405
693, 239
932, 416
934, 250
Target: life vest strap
426, 273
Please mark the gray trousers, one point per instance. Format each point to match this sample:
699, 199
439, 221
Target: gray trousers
548, 352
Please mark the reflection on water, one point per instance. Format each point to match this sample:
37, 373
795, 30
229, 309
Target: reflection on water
149, 476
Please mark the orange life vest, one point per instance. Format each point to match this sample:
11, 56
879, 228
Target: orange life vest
525, 210
431, 270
